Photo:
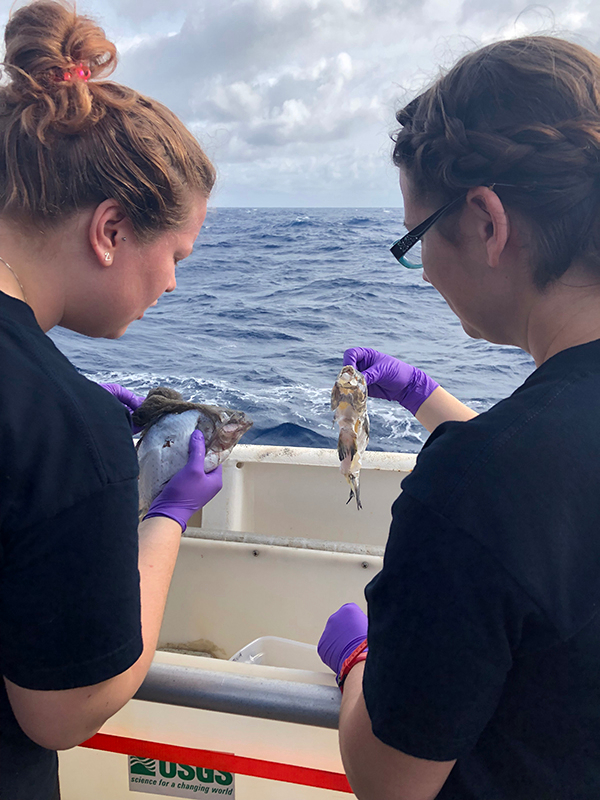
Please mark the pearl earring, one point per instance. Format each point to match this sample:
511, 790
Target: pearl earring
107, 256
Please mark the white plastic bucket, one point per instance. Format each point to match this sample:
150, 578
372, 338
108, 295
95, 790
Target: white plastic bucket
274, 651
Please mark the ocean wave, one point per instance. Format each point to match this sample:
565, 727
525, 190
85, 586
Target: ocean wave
301, 221
289, 434
359, 221
267, 336
330, 248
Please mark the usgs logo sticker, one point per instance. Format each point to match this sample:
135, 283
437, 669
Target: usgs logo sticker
178, 780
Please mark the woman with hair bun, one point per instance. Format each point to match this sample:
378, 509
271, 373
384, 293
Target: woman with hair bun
478, 674
102, 192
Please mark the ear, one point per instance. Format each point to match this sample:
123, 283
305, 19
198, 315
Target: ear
491, 221
108, 227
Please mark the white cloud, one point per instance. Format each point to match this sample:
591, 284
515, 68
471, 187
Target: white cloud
295, 99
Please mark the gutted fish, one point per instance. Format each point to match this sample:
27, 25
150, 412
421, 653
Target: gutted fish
167, 422
349, 404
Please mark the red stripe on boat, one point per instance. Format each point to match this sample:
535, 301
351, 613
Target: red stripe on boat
224, 762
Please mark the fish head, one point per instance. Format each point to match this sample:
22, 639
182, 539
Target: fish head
222, 427
350, 385
350, 378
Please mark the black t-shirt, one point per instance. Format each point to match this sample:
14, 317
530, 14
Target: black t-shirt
484, 623
69, 581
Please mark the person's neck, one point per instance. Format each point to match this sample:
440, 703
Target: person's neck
27, 272
564, 315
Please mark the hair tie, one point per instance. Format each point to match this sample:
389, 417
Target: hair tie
77, 71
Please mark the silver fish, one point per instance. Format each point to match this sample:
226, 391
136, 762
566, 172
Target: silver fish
167, 422
349, 404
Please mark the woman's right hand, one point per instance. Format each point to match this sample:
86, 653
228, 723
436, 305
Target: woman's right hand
129, 399
391, 379
189, 489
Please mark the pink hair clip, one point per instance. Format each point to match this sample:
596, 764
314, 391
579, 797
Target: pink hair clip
79, 71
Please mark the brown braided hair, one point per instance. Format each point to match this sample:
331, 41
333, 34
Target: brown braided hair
70, 139
525, 112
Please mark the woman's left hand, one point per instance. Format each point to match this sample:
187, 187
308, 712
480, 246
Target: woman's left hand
344, 632
390, 378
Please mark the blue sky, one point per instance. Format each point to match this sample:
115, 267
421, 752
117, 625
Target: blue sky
294, 100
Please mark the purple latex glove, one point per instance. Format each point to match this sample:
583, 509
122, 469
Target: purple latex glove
130, 400
345, 630
189, 489
391, 379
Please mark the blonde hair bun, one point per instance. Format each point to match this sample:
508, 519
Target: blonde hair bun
51, 55
69, 141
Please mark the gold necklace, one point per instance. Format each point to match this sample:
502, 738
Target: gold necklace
6, 264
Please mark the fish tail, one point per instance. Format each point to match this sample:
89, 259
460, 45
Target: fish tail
354, 491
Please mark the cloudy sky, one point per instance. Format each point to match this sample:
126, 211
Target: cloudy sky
294, 100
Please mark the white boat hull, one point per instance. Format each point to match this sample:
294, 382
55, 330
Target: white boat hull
274, 554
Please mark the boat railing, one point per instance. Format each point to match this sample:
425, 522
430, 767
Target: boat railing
299, 542
285, 701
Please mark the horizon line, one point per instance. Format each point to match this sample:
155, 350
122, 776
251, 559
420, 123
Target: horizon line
313, 207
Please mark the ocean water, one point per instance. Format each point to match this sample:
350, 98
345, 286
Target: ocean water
264, 309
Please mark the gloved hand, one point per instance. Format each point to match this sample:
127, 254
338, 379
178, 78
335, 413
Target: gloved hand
130, 400
190, 488
345, 630
391, 379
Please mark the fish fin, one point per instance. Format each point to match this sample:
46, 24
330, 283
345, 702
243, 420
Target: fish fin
335, 397
351, 496
345, 450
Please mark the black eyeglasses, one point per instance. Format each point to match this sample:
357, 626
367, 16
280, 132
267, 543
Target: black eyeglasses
412, 240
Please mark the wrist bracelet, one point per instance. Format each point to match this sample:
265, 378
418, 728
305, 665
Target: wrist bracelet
355, 657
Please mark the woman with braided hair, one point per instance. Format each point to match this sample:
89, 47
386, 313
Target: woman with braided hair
102, 192
478, 674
